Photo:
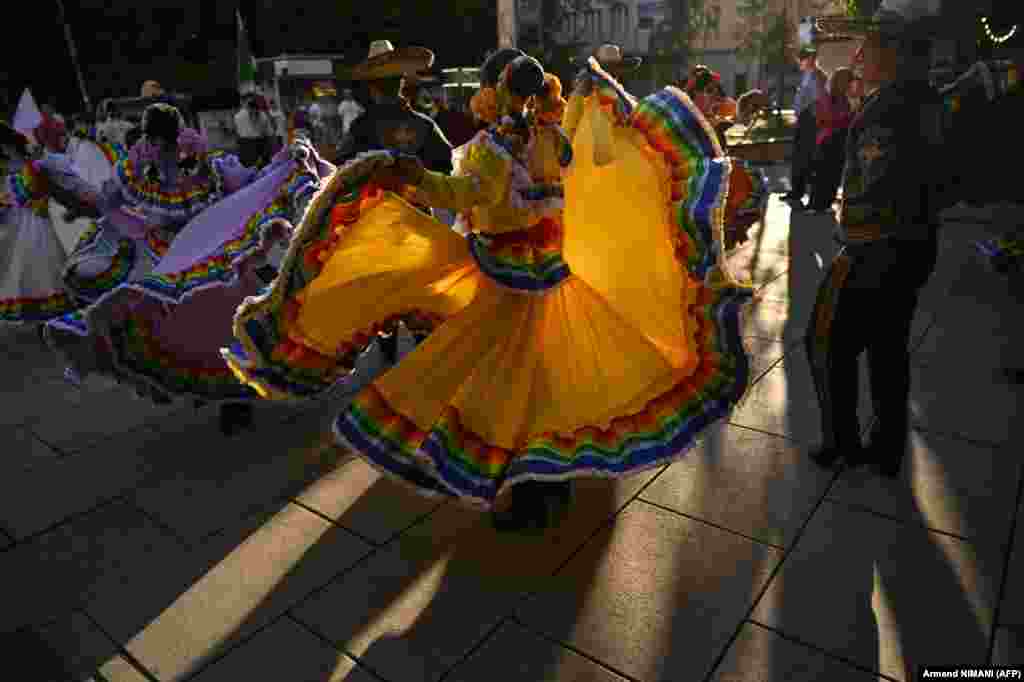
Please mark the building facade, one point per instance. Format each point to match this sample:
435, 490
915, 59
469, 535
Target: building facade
644, 28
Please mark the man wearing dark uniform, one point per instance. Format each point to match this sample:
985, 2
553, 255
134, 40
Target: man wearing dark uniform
390, 122
892, 195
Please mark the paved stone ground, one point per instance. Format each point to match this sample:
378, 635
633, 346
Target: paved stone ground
138, 544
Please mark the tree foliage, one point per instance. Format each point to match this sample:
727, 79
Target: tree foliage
764, 33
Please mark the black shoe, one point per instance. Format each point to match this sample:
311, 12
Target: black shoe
235, 418
826, 457
1013, 375
885, 460
389, 347
534, 506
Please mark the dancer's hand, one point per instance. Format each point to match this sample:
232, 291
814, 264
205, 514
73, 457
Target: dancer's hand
583, 86
405, 171
299, 150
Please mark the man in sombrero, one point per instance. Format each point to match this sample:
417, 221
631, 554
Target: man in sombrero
390, 122
894, 187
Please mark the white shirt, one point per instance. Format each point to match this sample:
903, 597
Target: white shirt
114, 130
280, 121
348, 110
252, 124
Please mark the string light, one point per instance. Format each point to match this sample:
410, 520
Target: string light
998, 40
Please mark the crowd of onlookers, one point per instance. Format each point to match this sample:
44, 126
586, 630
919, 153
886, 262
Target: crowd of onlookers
825, 105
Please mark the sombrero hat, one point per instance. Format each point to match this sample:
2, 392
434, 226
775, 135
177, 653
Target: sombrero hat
384, 61
894, 19
610, 57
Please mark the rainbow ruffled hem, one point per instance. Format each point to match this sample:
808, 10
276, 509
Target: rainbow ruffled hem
30, 188
91, 289
137, 356
450, 460
180, 204
222, 267
37, 309
282, 367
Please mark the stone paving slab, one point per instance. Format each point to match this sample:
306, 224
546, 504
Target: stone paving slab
84, 647
197, 607
444, 584
856, 586
514, 653
761, 654
658, 596
757, 484
1009, 646
953, 486
1012, 609
783, 402
230, 478
286, 651
35, 500
90, 557
361, 499
23, 451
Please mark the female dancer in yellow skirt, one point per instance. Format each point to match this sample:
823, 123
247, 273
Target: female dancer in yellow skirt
585, 325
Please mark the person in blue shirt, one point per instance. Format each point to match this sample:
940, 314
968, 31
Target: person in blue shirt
804, 144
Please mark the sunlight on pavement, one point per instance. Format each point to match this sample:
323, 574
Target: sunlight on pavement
403, 610
940, 508
939, 504
215, 606
890, 650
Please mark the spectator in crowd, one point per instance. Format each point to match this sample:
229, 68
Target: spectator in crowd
115, 129
255, 133
804, 145
833, 116
348, 110
280, 122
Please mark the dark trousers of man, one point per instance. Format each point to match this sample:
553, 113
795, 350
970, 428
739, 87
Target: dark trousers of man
804, 148
867, 303
828, 169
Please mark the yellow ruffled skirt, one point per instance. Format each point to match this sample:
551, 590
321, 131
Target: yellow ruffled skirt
598, 343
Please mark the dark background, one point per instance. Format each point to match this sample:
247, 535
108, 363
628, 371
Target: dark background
189, 45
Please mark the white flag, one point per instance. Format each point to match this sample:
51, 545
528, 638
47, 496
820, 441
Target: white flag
28, 117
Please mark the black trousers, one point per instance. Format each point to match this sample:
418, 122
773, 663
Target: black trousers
804, 147
866, 303
828, 170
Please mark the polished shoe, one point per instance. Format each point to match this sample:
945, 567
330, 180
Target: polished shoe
527, 512
884, 460
1013, 375
826, 457
889, 467
535, 507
